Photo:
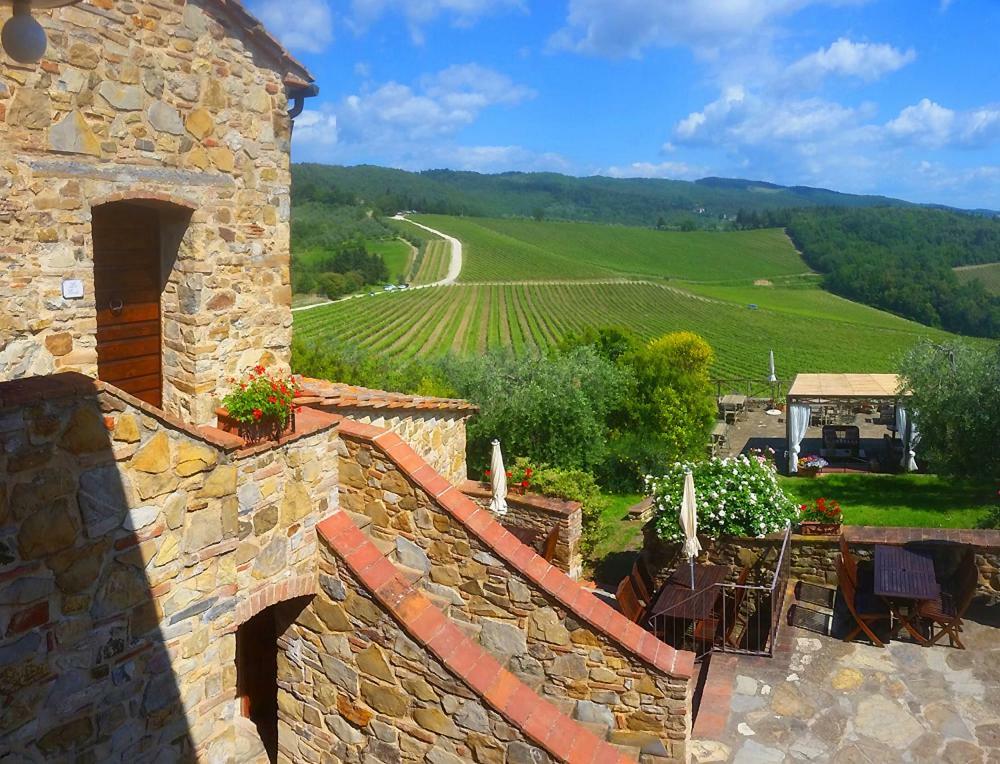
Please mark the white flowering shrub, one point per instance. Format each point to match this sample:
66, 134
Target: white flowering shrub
736, 496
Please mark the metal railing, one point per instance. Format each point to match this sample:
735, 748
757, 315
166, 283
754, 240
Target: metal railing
752, 388
741, 616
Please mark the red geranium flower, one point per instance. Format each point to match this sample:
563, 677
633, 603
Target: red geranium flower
524, 484
271, 399
257, 413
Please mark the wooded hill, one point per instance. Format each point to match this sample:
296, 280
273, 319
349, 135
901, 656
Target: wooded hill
629, 201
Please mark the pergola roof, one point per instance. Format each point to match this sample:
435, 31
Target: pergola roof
845, 386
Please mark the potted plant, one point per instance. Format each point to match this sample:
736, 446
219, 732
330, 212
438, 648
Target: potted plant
519, 478
811, 465
260, 406
821, 518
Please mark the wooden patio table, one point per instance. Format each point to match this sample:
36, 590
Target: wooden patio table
733, 404
677, 601
903, 578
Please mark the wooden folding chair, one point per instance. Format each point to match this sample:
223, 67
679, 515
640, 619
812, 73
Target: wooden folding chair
736, 622
947, 610
642, 580
628, 601
548, 550
862, 576
864, 607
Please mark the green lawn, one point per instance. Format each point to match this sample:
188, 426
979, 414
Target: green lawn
396, 254
615, 531
918, 501
520, 250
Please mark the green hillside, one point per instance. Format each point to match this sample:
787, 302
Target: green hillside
466, 319
988, 275
633, 201
527, 250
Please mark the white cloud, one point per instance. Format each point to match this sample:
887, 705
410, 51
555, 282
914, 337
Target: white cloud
672, 170
626, 27
417, 13
926, 123
301, 25
415, 125
866, 61
502, 159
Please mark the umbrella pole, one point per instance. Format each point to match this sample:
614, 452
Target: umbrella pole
691, 564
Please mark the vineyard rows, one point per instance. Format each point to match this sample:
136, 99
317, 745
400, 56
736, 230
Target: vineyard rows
467, 319
434, 264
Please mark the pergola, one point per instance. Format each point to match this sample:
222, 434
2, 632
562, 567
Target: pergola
821, 389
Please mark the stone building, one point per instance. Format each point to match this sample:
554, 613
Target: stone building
170, 592
145, 184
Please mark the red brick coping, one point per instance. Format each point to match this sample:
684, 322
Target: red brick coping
539, 719
579, 602
322, 392
70, 384
527, 500
872, 534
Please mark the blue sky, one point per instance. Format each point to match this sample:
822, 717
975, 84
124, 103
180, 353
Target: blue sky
898, 97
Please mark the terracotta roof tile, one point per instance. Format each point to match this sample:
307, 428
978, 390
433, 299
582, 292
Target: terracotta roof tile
321, 392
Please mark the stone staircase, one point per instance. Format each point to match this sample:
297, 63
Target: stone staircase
414, 566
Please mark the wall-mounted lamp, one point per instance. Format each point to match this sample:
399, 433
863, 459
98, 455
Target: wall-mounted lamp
23, 37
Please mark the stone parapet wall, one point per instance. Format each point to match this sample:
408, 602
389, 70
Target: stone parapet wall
438, 436
173, 105
354, 686
557, 650
130, 549
540, 513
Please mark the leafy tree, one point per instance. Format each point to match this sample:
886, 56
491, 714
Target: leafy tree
955, 401
551, 410
671, 410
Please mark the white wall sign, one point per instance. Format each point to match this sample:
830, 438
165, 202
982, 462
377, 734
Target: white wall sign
72, 289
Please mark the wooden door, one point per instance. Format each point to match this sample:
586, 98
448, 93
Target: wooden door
127, 290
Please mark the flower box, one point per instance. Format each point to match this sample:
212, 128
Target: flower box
809, 472
267, 428
813, 528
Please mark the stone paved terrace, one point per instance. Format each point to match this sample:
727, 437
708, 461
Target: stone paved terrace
822, 700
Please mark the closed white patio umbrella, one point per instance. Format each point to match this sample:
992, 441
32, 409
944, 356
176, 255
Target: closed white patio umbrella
689, 523
498, 479
771, 376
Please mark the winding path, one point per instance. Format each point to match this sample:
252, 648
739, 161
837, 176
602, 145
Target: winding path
454, 268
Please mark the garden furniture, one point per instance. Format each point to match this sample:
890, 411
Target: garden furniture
543, 542
866, 609
681, 606
732, 406
734, 621
859, 571
720, 434
905, 578
948, 608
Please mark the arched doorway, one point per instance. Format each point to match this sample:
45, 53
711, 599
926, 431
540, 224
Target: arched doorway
134, 251
257, 667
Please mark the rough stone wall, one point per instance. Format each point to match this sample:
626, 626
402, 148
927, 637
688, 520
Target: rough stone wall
438, 436
163, 102
129, 547
540, 513
582, 672
353, 688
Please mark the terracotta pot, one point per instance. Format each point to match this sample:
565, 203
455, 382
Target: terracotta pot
517, 490
816, 528
809, 472
268, 428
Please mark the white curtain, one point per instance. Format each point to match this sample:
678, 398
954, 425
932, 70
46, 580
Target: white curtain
906, 428
798, 422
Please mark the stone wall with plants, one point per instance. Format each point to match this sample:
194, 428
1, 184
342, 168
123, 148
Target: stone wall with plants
353, 688
541, 514
131, 545
577, 668
438, 436
173, 105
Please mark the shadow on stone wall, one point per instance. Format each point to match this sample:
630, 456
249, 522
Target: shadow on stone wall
85, 667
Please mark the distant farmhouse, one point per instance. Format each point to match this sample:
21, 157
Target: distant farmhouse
171, 591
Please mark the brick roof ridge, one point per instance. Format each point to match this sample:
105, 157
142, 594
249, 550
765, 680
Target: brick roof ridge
539, 719
297, 74
481, 523
328, 393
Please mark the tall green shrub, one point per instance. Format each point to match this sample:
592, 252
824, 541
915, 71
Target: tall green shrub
955, 401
